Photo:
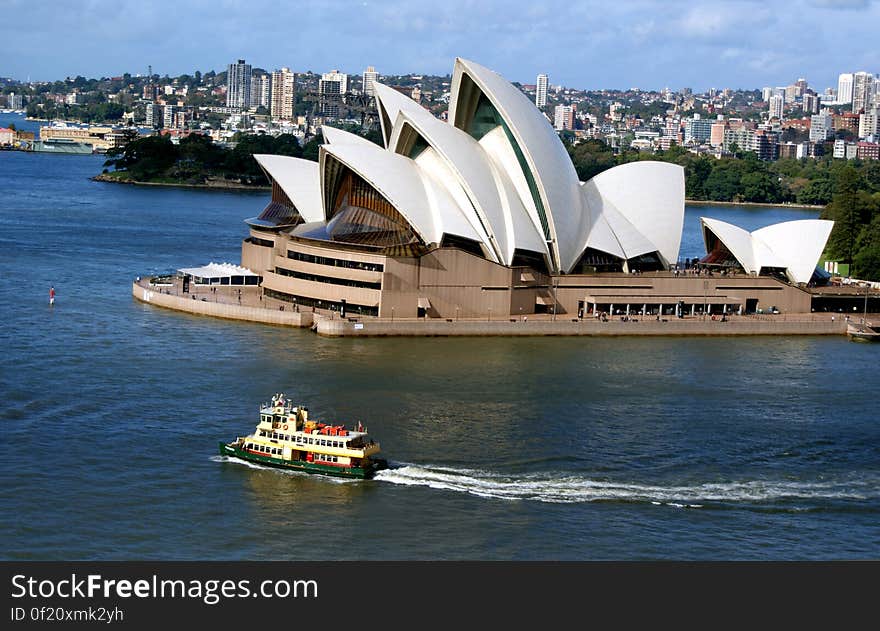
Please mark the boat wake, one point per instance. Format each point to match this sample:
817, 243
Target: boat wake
571, 489
300, 474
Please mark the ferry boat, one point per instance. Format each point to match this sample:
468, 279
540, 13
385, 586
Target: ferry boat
285, 437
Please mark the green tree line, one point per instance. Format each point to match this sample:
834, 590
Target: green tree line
849, 190
197, 158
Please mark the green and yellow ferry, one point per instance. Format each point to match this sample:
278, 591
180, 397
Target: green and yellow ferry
287, 438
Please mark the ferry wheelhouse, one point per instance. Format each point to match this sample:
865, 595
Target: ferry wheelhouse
285, 437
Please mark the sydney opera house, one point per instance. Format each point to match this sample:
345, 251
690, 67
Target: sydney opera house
484, 215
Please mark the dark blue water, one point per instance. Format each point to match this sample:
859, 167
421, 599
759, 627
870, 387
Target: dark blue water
505, 448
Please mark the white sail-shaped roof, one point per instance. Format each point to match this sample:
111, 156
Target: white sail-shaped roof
794, 246
499, 175
390, 103
492, 205
644, 205
299, 179
426, 205
799, 243
545, 157
332, 135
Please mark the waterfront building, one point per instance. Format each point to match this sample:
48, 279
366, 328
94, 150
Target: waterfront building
370, 78
238, 84
541, 91
14, 101
863, 88
261, 91
282, 94
482, 215
845, 88
820, 127
776, 105
99, 138
7, 137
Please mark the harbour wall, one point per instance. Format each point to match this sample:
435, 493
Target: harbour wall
367, 328
221, 309
334, 326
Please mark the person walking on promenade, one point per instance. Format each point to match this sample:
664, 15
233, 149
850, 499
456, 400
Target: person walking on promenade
52, 295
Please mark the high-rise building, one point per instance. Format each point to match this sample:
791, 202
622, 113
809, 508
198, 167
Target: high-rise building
261, 90
238, 84
370, 78
697, 129
811, 103
820, 127
777, 102
716, 138
333, 83
868, 123
14, 101
766, 93
153, 114
845, 88
282, 94
863, 87
541, 91
168, 116
331, 88
563, 117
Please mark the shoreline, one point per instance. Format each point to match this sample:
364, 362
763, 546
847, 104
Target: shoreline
104, 177
697, 202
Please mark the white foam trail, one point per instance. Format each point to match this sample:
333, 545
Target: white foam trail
562, 489
253, 465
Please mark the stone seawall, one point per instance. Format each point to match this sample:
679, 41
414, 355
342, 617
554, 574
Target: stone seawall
339, 328
221, 310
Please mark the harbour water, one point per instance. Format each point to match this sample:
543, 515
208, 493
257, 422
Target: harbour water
503, 448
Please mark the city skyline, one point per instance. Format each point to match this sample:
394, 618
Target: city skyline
588, 45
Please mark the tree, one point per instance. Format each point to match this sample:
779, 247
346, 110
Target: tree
310, 149
867, 258
844, 211
819, 192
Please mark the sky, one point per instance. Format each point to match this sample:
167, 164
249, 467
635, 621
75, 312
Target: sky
591, 44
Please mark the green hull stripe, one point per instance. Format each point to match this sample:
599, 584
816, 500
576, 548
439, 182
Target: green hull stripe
308, 467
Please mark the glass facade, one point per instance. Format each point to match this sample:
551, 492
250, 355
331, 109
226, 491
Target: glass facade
361, 215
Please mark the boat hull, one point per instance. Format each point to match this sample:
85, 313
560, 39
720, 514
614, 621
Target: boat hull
360, 473
859, 334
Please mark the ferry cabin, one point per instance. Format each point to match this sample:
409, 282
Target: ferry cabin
285, 433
